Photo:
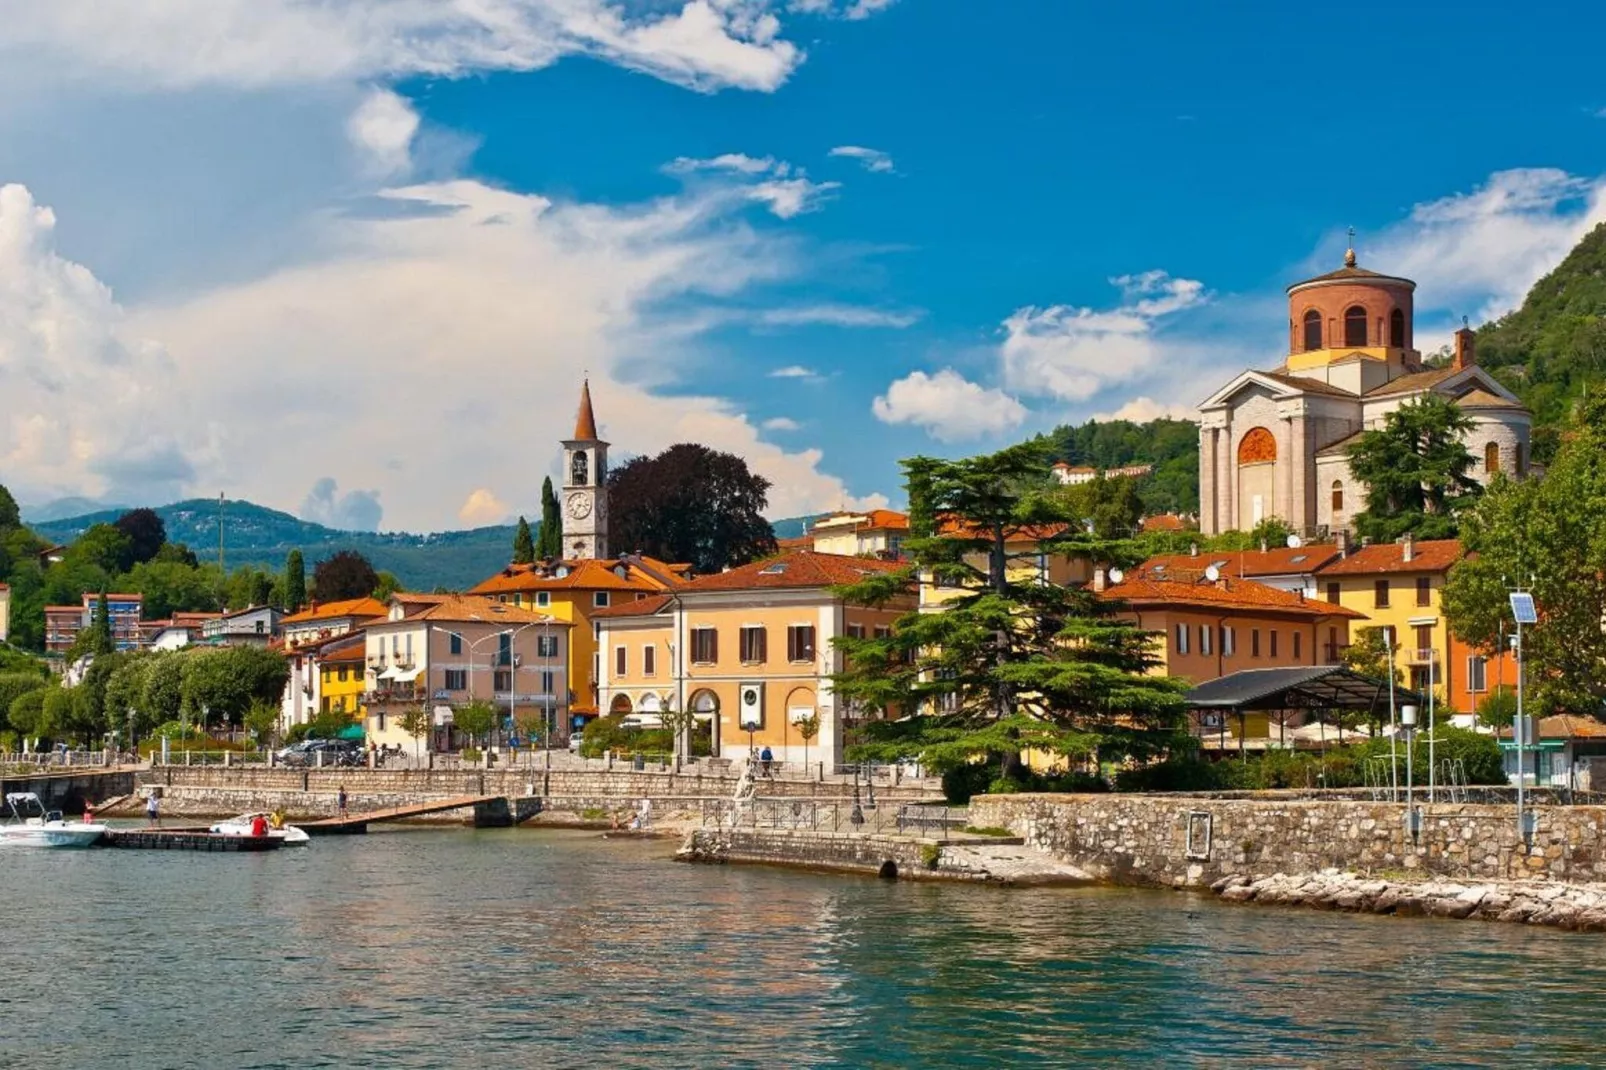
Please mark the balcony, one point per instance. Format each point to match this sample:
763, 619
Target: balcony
1422, 656
391, 696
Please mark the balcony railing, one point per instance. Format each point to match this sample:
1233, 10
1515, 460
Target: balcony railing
1422, 656
392, 694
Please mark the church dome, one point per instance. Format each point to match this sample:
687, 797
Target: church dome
1352, 308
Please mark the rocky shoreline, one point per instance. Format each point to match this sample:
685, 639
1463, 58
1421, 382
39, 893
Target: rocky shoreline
1578, 907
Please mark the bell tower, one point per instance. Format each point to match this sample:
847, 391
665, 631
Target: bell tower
585, 486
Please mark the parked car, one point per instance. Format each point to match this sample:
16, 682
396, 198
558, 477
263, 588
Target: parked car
337, 752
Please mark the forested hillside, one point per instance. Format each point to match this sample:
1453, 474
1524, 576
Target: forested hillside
1172, 446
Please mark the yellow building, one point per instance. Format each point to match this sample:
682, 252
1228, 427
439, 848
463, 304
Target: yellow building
1400, 586
750, 651
874, 533
340, 675
1028, 561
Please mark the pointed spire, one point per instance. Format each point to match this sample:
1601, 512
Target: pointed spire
585, 426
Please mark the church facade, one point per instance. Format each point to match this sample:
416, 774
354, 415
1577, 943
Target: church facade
1274, 443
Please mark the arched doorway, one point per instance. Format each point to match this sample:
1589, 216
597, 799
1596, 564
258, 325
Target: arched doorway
620, 704
1257, 478
800, 709
704, 706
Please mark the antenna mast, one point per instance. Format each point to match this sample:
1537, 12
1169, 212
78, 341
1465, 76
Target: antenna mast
220, 567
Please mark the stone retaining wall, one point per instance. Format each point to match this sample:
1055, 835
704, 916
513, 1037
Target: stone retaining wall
1144, 839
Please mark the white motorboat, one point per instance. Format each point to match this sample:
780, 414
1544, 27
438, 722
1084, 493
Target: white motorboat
241, 826
31, 825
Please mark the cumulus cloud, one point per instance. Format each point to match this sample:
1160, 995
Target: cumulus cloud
781, 423
873, 160
836, 316
176, 44
382, 128
355, 510
482, 508
90, 406
1072, 353
431, 313
949, 406
794, 371
1143, 409
1478, 253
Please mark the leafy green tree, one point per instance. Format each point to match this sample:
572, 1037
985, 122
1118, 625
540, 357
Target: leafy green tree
163, 698
691, 504
104, 547
178, 554
27, 714
101, 627
1415, 468
476, 719
146, 534
344, 575
226, 680
295, 582
550, 543
807, 728
524, 542
388, 585
1010, 664
415, 722
170, 587
1498, 708
125, 691
1112, 506
14, 685
1545, 535
261, 720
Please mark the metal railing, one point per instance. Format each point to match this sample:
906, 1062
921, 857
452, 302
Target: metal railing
833, 815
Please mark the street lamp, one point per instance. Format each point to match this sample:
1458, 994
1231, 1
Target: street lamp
1408, 722
513, 681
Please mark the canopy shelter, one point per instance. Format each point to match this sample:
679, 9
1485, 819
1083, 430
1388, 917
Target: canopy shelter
1302, 687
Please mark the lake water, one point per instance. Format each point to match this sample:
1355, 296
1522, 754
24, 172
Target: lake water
530, 948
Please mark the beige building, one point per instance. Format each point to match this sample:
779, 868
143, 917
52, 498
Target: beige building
875, 533
458, 649
1274, 443
750, 651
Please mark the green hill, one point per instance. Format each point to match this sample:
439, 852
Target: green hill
1553, 348
1172, 446
255, 535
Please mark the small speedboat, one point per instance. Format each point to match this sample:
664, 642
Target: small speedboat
241, 826
31, 825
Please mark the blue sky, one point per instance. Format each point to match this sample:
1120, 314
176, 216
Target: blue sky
352, 260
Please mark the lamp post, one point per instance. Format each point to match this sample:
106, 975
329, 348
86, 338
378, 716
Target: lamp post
1523, 612
1408, 722
1394, 729
513, 681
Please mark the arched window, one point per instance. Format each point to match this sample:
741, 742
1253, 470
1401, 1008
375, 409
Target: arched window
1338, 496
577, 469
1397, 329
1313, 330
1355, 326
1491, 458
1257, 446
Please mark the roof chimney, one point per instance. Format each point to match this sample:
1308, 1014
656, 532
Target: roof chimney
1407, 548
1100, 578
1464, 355
1341, 540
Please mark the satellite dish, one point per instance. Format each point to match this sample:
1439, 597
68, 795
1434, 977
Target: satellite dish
1295, 542
1116, 575
1212, 573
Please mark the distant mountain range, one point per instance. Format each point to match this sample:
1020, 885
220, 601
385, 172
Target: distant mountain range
256, 535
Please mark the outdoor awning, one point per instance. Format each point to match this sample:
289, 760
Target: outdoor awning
386, 674
404, 676
1314, 687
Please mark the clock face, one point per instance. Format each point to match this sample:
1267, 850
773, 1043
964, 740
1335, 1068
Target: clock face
579, 506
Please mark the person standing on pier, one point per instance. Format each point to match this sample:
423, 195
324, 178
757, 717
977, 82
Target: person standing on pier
340, 801
153, 811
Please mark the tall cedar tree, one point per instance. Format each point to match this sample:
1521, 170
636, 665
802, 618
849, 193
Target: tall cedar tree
1010, 663
295, 581
1544, 534
102, 643
550, 543
146, 533
1415, 469
10, 515
345, 575
691, 504
523, 543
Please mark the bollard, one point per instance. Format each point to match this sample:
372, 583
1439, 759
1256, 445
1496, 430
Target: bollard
186, 756
228, 759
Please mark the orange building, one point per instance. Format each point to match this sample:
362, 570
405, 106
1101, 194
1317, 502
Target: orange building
750, 651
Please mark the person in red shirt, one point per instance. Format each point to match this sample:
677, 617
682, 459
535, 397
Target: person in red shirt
259, 825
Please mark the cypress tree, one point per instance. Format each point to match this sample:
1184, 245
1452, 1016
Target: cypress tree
551, 542
103, 625
295, 582
523, 544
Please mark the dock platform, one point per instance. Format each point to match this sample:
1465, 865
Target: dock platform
186, 840
357, 824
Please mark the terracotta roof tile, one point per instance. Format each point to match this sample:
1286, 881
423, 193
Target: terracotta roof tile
1434, 555
1483, 399
800, 568
1245, 595
473, 609
350, 607
1164, 522
639, 607
1566, 726
1343, 444
1283, 561
1313, 386
1414, 382
647, 574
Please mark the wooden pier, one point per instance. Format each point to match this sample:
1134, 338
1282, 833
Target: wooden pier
356, 824
186, 840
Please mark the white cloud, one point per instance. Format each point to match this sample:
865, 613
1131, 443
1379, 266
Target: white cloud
450, 320
836, 316
1477, 254
89, 406
482, 508
949, 406
1073, 353
738, 162
1143, 409
179, 44
788, 197
355, 510
781, 423
383, 127
794, 371
851, 9
872, 159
